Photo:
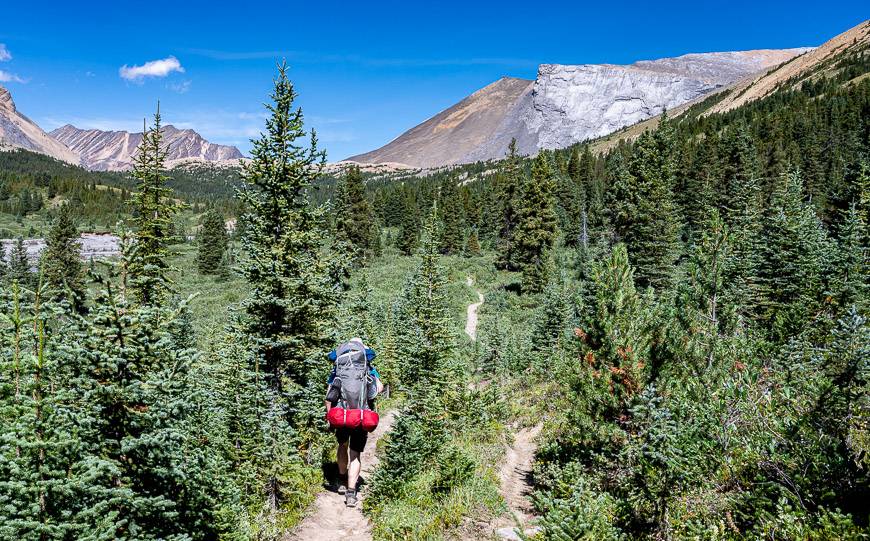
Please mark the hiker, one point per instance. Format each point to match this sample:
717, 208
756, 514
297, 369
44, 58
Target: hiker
352, 362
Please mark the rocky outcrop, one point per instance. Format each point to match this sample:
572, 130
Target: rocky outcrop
18, 131
115, 150
568, 104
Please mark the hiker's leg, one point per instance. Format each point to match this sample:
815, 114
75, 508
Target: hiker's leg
353, 469
341, 458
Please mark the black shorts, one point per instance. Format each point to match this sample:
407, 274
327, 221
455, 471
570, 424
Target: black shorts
357, 436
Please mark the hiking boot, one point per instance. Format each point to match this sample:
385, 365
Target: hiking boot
342, 485
350, 498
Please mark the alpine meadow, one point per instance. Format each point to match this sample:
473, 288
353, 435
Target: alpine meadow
610, 302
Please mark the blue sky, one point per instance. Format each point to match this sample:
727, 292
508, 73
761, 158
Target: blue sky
365, 71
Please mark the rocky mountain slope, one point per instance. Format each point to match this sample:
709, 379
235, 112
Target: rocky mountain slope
820, 62
452, 134
567, 104
18, 131
834, 58
114, 150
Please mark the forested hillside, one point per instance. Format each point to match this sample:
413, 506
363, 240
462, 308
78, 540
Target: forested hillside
681, 319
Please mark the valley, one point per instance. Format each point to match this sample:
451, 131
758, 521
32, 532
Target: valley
615, 302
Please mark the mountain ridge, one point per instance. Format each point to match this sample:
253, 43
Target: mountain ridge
18, 131
567, 104
102, 150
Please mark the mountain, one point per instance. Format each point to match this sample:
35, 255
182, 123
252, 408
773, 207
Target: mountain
18, 131
567, 104
114, 150
455, 132
825, 60
842, 59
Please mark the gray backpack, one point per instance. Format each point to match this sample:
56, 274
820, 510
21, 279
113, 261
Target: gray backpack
351, 376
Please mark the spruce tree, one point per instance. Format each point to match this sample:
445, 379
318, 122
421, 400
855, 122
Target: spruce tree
536, 226
795, 245
289, 311
743, 214
61, 260
354, 219
213, 243
424, 315
153, 211
410, 223
451, 215
19, 265
650, 218
508, 187
472, 244
851, 281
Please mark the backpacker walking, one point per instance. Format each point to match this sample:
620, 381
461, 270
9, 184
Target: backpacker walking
353, 385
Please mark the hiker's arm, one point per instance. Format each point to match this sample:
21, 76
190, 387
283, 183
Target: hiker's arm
380, 385
326, 402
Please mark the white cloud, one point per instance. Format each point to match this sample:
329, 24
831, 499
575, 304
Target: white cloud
154, 68
180, 88
6, 77
5, 55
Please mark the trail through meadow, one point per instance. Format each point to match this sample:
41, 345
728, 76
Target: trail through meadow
330, 519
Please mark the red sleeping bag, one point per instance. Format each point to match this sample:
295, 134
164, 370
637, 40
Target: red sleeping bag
342, 418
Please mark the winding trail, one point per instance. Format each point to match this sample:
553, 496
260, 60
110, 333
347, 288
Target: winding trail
471, 318
330, 519
515, 481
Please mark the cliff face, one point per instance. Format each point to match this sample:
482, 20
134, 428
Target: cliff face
568, 104
115, 150
18, 131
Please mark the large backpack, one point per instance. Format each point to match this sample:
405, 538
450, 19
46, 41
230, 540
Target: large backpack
351, 380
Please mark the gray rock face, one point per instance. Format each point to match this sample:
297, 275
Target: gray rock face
568, 104
115, 150
18, 131
92, 245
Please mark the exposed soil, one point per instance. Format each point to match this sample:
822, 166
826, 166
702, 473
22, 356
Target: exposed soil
516, 483
471, 320
330, 519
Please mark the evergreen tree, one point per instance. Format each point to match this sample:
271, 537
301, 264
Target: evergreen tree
407, 239
851, 281
354, 219
451, 214
19, 265
290, 310
146, 479
794, 259
154, 208
424, 334
648, 220
536, 226
213, 244
742, 209
508, 188
472, 245
61, 260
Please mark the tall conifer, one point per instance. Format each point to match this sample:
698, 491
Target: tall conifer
536, 225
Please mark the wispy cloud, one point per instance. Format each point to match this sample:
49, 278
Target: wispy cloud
154, 68
6, 77
5, 55
180, 88
315, 57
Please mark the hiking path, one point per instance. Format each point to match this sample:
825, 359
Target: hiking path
471, 319
330, 519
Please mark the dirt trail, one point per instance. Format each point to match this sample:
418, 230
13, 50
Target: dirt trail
514, 476
471, 320
330, 520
